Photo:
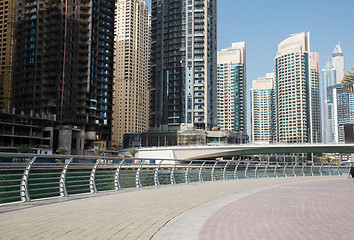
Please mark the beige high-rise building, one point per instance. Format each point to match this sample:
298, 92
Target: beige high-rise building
7, 13
131, 75
231, 88
297, 99
262, 116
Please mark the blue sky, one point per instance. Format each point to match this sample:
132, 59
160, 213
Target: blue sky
263, 24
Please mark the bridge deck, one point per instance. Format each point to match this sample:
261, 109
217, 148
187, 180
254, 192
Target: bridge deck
141, 214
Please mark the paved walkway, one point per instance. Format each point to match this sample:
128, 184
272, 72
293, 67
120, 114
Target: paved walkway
145, 213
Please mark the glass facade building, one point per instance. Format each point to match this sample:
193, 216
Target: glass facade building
329, 80
343, 111
231, 88
183, 64
262, 109
297, 101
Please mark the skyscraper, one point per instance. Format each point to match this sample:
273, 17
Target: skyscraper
329, 80
315, 103
338, 63
262, 116
297, 91
343, 111
7, 30
64, 64
183, 64
231, 88
131, 93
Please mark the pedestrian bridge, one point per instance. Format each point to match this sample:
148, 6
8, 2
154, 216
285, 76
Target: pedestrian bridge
81, 197
229, 151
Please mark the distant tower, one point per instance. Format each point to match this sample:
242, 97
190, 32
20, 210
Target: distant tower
329, 80
231, 88
343, 109
262, 116
338, 63
131, 75
297, 112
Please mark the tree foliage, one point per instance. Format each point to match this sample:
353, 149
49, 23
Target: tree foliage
133, 151
99, 151
24, 149
62, 150
348, 81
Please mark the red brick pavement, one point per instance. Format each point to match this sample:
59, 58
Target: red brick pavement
312, 210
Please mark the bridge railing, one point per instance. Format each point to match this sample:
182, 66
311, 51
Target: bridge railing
25, 177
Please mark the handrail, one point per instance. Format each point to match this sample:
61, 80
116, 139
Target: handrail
24, 183
62, 184
186, 175
116, 177
40, 176
201, 172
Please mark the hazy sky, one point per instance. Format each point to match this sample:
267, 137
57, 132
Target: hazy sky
263, 24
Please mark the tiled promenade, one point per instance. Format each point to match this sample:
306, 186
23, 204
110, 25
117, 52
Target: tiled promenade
275, 208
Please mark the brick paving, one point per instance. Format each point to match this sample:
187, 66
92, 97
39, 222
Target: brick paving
315, 210
139, 214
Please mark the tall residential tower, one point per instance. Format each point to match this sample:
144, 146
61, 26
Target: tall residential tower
329, 80
183, 64
131, 78
231, 88
7, 31
338, 63
64, 64
262, 116
297, 105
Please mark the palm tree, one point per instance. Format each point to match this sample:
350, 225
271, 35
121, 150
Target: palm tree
323, 159
133, 151
24, 149
348, 81
262, 157
62, 150
99, 151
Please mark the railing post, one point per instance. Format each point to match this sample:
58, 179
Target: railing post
255, 171
235, 171
25, 197
329, 169
321, 173
275, 170
303, 169
284, 170
246, 170
312, 169
116, 177
93, 188
200, 172
156, 174
172, 175
62, 185
224, 172
294, 173
137, 176
266, 169
213, 171
186, 175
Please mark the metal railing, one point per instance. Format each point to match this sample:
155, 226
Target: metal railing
24, 177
